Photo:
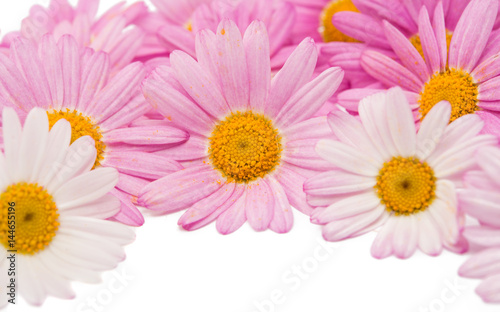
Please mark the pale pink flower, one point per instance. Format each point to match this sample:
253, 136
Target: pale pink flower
179, 33
59, 207
481, 200
111, 32
252, 137
392, 178
75, 84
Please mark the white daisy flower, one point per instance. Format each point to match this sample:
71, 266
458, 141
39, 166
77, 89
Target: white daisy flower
60, 207
393, 178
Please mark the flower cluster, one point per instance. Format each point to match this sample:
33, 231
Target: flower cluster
362, 115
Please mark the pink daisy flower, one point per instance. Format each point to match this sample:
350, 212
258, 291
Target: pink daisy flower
466, 75
252, 138
111, 32
176, 17
76, 85
59, 207
361, 20
480, 199
392, 178
277, 15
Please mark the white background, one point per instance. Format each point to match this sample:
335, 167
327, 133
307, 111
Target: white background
168, 269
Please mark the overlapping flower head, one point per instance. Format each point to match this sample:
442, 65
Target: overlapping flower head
179, 32
60, 206
112, 32
464, 75
75, 84
232, 119
480, 199
350, 27
391, 177
251, 139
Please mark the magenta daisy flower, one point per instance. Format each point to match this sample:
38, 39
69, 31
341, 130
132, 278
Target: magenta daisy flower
252, 138
480, 199
392, 178
112, 32
76, 85
277, 15
466, 75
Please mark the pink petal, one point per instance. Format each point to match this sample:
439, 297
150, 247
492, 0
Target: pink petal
429, 237
199, 84
239, 190
308, 99
49, 53
141, 164
233, 218
128, 214
483, 236
207, 206
232, 65
147, 135
438, 24
181, 189
406, 52
292, 183
259, 205
295, 73
95, 73
471, 34
429, 42
160, 92
389, 71
401, 122
489, 289
256, 44
117, 92
70, 56
482, 264
282, 217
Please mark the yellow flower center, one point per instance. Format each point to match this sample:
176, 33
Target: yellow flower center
80, 126
28, 218
326, 29
454, 86
415, 41
406, 185
245, 146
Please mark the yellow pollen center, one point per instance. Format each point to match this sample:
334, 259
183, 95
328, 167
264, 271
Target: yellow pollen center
80, 126
415, 41
29, 218
452, 85
328, 31
406, 185
244, 147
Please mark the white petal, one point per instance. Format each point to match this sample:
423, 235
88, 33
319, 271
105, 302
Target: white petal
12, 132
348, 158
86, 188
432, 129
33, 144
